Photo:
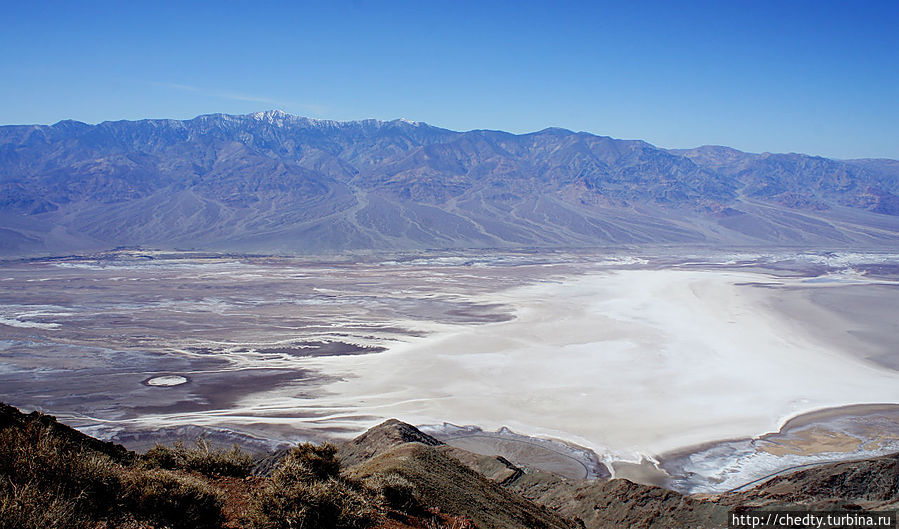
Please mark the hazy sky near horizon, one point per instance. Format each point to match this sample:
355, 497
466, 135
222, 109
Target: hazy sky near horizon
819, 77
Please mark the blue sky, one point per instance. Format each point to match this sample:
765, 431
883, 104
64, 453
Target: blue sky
818, 77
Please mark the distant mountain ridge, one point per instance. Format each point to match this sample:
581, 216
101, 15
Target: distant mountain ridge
274, 182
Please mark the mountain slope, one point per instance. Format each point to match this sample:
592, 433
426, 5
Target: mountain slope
867, 485
279, 183
53, 476
443, 482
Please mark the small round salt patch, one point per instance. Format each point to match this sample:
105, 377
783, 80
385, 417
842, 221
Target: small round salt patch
168, 380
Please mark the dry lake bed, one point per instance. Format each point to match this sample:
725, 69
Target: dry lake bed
701, 372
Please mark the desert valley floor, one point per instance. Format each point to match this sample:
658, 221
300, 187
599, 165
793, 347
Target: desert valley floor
700, 371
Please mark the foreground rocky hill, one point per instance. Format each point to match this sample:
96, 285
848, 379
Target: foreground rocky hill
391, 477
272, 182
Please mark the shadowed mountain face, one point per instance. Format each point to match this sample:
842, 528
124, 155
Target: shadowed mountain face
272, 182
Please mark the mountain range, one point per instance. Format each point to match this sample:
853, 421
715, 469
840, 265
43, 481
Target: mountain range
271, 182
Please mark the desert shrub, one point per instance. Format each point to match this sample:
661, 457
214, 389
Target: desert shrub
306, 491
393, 490
309, 462
172, 500
324, 504
202, 458
161, 456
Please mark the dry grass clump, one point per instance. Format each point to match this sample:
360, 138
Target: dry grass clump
306, 491
48, 482
450, 522
26, 506
393, 491
202, 458
171, 500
